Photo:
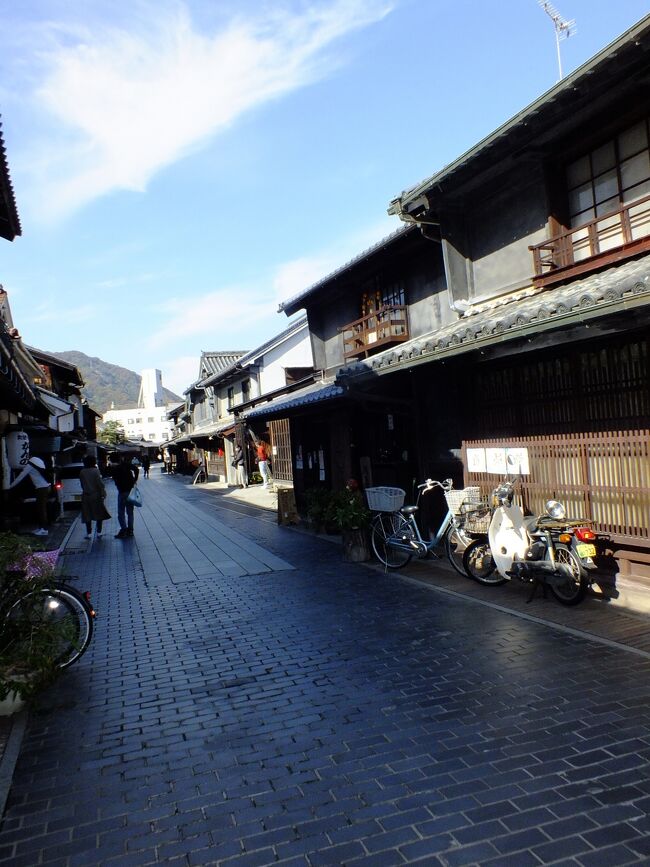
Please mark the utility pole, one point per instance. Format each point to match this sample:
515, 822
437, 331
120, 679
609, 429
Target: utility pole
563, 29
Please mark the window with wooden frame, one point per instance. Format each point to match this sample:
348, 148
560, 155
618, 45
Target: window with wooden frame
614, 174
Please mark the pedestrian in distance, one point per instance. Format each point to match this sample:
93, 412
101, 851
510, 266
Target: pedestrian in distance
262, 451
240, 467
93, 494
125, 477
34, 471
146, 463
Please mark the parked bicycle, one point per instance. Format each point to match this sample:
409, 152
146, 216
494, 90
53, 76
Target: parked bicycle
55, 601
395, 534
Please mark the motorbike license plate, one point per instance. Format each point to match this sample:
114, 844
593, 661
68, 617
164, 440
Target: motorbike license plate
584, 550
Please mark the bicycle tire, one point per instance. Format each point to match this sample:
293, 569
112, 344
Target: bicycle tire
62, 602
456, 541
385, 526
479, 564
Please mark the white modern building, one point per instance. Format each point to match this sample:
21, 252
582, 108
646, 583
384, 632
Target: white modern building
148, 420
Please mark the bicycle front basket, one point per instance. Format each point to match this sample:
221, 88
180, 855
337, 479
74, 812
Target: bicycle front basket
455, 499
385, 499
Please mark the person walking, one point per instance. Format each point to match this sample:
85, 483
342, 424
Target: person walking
125, 478
240, 467
263, 462
93, 494
146, 463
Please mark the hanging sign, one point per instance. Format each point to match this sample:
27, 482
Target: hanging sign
495, 461
517, 461
17, 449
476, 461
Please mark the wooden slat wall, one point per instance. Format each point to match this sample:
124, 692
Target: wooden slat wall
603, 476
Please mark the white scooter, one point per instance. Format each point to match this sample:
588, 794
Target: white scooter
547, 551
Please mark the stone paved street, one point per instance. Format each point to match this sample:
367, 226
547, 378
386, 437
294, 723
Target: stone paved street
249, 699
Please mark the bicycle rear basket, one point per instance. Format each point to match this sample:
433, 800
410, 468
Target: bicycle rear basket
476, 519
385, 499
455, 499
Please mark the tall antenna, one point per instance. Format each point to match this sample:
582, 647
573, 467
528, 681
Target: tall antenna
563, 29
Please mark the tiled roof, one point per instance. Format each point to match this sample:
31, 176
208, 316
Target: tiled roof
530, 311
315, 393
216, 362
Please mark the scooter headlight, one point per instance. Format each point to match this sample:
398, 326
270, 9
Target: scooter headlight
555, 510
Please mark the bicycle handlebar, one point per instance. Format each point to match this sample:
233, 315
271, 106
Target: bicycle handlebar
430, 484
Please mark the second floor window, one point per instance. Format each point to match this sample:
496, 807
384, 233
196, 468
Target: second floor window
614, 174
245, 390
231, 397
378, 294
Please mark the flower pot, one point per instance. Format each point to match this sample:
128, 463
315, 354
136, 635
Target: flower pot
355, 546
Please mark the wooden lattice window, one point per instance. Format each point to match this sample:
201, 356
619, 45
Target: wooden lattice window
281, 466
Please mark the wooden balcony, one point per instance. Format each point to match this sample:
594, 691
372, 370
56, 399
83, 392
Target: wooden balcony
603, 241
385, 327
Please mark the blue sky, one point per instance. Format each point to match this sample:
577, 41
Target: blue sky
182, 167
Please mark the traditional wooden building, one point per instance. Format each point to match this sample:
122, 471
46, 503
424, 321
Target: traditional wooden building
512, 311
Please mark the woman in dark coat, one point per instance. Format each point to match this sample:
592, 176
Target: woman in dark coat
93, 494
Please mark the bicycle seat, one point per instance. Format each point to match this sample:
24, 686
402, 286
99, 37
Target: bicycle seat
409, 510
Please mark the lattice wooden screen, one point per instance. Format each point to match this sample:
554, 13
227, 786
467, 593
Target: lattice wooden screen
281, 466
601, 476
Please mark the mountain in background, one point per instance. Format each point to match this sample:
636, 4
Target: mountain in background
108, 384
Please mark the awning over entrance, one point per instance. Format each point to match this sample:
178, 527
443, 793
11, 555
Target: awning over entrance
316, 393
526, 313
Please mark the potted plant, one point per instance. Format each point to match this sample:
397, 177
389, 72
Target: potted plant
317, 505
30, 636
352, 518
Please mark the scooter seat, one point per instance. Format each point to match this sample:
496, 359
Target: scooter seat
531, 522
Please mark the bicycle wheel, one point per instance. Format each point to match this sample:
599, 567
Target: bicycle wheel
68, 609
387, 526
479, 564
574, 589
456, 541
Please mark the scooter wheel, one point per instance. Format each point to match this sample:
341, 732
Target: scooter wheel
574, 589
479, 565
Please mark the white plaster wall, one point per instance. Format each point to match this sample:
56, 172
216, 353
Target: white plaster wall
293, 352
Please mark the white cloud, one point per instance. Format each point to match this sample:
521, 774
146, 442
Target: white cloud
244, 316
225, 316
178, 372
128, 103
53, 313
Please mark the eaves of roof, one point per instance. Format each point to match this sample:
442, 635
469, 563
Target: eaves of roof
9, 220
526, 313
565, 88
293, 304
53, 361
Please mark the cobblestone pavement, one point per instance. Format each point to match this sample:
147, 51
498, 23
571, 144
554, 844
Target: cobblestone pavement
310, 712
